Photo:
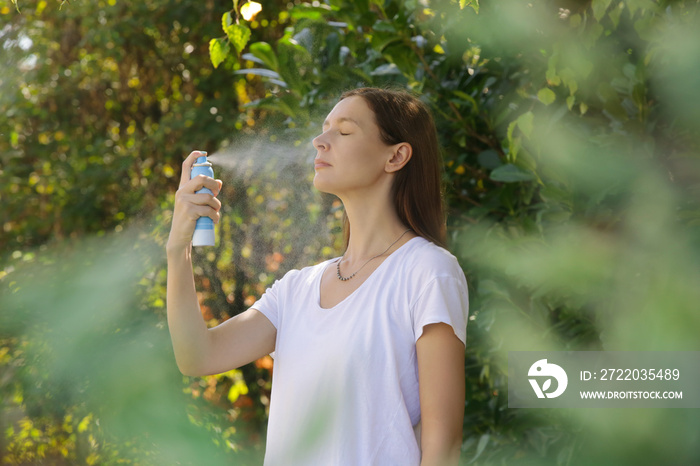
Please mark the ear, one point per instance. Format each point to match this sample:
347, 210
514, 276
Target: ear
402, 153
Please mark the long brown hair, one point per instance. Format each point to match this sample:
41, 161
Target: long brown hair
417, 188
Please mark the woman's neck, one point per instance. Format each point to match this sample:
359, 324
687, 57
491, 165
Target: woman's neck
373, 227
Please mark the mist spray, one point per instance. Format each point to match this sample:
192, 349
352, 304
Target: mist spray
204, 229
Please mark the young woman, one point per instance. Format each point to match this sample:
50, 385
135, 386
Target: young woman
369, 347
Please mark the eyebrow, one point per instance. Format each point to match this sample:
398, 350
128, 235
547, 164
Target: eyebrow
341, 120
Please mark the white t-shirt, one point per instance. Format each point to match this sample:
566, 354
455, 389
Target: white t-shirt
345, 379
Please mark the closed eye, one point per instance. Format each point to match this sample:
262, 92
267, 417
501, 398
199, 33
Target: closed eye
345, 134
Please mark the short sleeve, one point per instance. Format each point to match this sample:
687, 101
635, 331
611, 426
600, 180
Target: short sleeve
268, 303
272, 300
444, 299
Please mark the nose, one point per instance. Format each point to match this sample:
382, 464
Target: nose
320, 143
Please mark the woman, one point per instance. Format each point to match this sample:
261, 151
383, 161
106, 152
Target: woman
369, 347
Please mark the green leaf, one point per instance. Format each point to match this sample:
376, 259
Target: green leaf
575, 21
592, 34
554, 194
552, 77
474, 4
551, 74
264, 72
238, 35
385, 69
546, 96
514, 148
615, 13
510, 173
384, 26
599, 8
382, 39
553, 215
524, 122
218, 50
403, 57
527, 162
264, 52
568, 77
481, 446
466, 97
307, 11
293, 57
511, 128
226, 20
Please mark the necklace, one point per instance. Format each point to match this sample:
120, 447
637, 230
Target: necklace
337, 267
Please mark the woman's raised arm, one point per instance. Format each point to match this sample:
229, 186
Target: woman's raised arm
198, 350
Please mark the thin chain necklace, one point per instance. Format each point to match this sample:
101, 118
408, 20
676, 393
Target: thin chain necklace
337, 267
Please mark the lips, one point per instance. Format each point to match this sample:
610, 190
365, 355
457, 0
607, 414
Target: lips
318, 163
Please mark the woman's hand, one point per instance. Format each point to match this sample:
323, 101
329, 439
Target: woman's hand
189, 206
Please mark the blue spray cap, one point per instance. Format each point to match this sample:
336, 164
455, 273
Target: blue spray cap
202, 159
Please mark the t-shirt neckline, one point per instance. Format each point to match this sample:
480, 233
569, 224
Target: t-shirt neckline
349, 297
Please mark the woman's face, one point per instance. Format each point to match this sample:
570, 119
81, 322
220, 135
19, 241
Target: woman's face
351, 156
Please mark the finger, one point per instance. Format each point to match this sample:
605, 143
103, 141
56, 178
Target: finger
187, 165
196, 200
204, 199
206, 211
199, 182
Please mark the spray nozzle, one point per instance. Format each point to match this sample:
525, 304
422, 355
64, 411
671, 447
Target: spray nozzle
202, 162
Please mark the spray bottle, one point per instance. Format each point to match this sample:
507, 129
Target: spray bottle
204, 229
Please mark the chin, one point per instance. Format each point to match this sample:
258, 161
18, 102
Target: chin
322, 185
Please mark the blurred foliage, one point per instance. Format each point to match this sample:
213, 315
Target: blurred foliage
570, 139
